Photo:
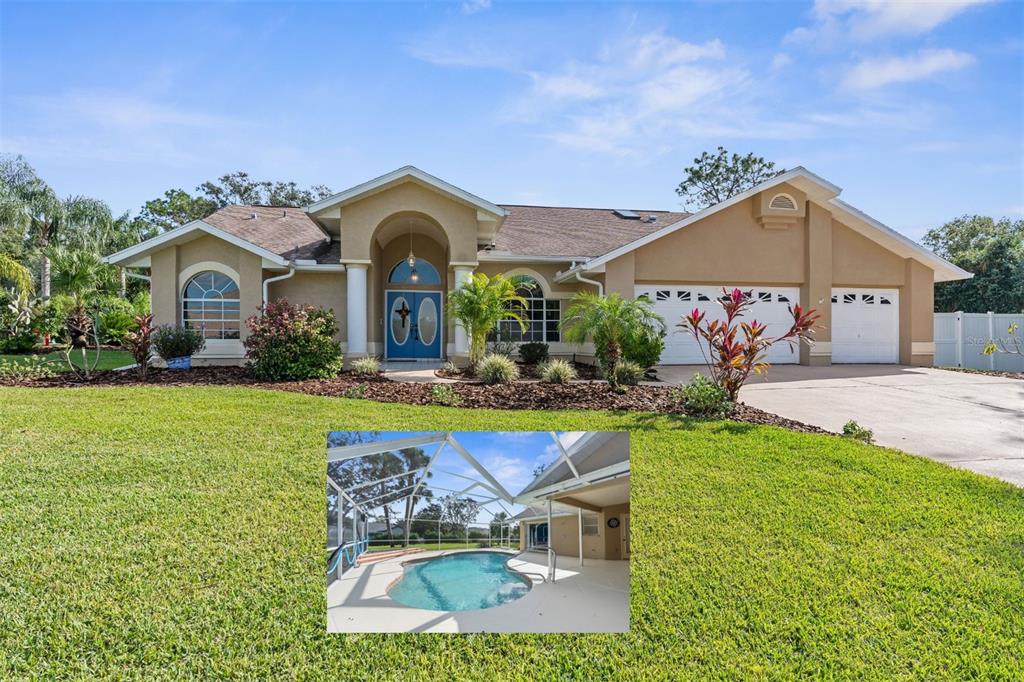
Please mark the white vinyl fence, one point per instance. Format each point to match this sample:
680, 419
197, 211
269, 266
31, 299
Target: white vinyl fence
960, 337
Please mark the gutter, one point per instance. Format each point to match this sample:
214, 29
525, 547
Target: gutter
145, 278
581, 278
266, 282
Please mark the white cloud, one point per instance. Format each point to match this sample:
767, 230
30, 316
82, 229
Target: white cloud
781, 61
123, 111
474, 6
878, 72
865, 20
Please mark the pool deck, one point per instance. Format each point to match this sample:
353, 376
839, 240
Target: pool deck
594, 598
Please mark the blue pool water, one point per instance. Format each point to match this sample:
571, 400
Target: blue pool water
459, 582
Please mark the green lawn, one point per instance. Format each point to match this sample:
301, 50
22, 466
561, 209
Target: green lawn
109, 359
179, 533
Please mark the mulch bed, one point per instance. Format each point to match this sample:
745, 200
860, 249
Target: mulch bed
520, 396
988, 372
526, 371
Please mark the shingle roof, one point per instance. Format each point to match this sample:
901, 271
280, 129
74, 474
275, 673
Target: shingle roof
284, 231
555, 231
527, 231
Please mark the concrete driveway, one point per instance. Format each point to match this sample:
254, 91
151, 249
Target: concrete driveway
971, 421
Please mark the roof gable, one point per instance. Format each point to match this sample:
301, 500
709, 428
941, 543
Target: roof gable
817, 189
398, 176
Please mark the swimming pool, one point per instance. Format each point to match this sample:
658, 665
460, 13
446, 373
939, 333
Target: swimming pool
459, 582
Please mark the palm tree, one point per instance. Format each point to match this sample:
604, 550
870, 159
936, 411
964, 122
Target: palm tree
17, 274
414, 459
609, 321
481, 302
77, 272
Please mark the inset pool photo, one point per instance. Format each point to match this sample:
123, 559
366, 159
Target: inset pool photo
477, 531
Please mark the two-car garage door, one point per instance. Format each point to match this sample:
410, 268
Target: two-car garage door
673, 301
865, 322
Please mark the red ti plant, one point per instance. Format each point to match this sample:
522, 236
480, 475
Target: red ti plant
734, 349
139, 343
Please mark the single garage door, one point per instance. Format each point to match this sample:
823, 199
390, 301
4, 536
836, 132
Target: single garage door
865, 325
674, 301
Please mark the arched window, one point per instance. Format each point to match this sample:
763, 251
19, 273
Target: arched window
541, 316
210, 303
424, 272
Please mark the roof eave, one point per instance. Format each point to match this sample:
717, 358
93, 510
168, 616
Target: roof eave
125, 257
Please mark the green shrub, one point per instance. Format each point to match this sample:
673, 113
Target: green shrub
450, 367
557, 372
21, 341
497, 369
292, 343
141, 304
52, 313
171, 342
444, 394
644, 346
852, 429
31, 367
357, 392
628, 373
116, 324
703, 398
533, 352
368, 366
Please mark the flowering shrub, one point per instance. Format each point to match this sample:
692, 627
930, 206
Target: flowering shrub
289, 342
733, 349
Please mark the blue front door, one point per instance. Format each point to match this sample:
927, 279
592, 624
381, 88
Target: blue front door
413, 324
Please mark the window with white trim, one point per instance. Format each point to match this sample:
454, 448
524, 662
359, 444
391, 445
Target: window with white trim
541, 316
591, 523
210, 303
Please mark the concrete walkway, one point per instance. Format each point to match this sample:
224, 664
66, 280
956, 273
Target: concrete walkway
591, 598
418, 371
971, 421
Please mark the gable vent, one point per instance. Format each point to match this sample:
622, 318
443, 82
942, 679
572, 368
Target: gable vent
783, 202
628, 215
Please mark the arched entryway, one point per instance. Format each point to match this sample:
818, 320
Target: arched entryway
413, 256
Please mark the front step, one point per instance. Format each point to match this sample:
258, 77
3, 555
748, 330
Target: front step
373, 557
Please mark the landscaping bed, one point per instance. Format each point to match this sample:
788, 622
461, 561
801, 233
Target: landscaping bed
584, 395
526, 371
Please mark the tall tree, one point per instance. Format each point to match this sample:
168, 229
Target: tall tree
713, 178
991, 249
459, 511
178, 207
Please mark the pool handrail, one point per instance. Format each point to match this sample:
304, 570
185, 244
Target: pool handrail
350, 551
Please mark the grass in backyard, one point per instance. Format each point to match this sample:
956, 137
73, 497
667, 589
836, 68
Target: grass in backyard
109, 359
170, 532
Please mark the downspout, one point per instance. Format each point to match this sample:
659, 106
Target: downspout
266, 282
600, 287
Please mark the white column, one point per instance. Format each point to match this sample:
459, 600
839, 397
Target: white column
356, 308
579, 520
462, 273
551, 567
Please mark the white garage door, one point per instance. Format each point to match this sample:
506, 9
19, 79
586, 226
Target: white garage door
673, 301
865, 325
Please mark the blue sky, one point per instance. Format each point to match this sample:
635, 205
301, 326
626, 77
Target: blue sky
509, 456
916, 110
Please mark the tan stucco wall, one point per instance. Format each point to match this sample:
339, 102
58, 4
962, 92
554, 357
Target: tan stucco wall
613, 536
169, 263
917, 325
564, 535
859, 262
325, 289
816, 290
546, 270
360, 219
728, 247
620, 276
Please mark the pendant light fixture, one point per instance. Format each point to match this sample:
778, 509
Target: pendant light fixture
411, 260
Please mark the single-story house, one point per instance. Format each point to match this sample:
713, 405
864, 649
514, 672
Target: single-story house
580, 504
383, 254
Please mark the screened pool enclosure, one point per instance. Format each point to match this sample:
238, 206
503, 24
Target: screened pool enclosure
366, 480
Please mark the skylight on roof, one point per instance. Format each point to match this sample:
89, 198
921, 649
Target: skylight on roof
628, 215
